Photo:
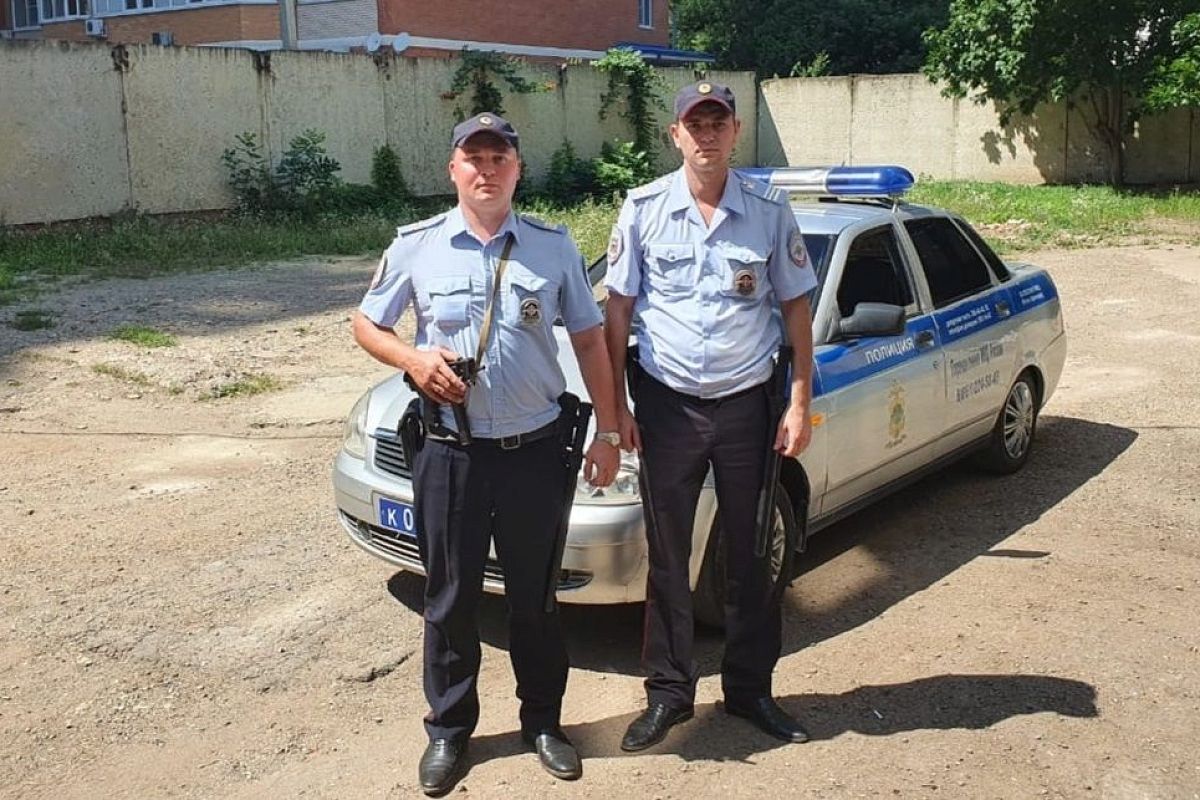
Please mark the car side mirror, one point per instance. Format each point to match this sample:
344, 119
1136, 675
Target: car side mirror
873, 319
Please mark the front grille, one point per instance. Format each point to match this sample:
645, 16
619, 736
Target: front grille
389, 453
403, 547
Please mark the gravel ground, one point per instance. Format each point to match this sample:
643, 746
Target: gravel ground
183, 617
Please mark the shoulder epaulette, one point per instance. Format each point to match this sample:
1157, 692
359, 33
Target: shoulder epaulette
413, 227
651, 189
763, 191
542, 224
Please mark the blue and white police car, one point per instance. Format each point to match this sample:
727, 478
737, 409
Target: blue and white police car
927, 348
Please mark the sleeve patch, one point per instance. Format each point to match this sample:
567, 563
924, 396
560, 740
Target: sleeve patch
616, 245
380, 272
796, 249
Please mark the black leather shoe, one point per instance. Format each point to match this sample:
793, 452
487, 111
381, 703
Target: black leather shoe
557, 754
652, 725
770, 718
441, 766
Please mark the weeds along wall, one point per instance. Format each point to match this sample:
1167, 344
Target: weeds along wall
92, 130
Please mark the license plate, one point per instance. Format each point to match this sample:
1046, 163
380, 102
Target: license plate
396, 517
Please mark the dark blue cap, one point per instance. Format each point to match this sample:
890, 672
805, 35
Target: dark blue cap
484, 123
703, 92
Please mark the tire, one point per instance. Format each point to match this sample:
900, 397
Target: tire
1011, 439
708, 600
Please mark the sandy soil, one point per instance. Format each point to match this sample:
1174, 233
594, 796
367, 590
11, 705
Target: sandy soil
183, 617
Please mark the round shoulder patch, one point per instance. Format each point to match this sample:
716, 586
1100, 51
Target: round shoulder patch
796, 249
616, 245
380, 272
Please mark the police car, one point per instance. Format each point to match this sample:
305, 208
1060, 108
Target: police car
927, 348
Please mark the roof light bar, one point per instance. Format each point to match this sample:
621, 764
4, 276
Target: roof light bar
884, 180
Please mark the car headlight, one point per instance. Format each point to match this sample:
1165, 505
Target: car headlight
354, 437
622, 491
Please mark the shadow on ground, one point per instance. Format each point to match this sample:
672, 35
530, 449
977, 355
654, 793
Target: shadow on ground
941, 702
913, 539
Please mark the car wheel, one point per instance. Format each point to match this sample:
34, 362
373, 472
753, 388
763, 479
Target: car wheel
1012, 436
708, 600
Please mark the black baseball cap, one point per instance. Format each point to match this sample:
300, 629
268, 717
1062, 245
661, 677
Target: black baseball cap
484, 123
703, 92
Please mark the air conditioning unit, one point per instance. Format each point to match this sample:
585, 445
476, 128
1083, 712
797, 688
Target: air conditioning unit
164, 38
93, 27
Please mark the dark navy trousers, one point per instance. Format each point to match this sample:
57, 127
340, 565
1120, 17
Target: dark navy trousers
681, 436
465, 496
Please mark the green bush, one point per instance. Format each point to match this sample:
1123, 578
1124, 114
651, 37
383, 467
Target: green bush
620, 167
569, 178
386, 176
304, 182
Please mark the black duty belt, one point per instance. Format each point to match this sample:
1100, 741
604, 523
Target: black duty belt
509, 442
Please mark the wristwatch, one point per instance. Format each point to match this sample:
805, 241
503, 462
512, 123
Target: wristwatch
609, 437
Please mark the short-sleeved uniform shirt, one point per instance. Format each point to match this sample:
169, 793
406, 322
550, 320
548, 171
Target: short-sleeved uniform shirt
706, 315
447, 274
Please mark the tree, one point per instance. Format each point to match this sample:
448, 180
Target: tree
792, 37
1106, 57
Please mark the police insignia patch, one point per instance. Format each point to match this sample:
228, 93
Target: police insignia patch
485, 121
796, 249
380, 271
744, 282
616, 245
531, 311
704, 88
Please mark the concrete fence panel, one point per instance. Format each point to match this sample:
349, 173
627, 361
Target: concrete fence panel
181, 113
62, 136
1159, 150
805, 123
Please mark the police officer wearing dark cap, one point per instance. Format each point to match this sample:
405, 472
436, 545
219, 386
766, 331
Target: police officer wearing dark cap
495, 487
703, 260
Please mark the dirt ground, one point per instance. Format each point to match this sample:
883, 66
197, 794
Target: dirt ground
183, 616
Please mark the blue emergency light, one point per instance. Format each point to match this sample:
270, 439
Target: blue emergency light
883, 180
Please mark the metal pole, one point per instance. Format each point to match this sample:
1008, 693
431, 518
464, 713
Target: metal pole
288, 34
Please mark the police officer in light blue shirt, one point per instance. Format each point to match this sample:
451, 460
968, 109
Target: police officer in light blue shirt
710, 271
477, 272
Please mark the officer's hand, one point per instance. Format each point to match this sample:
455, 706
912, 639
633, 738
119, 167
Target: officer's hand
600, 464
433, 377
795, 432
627, 426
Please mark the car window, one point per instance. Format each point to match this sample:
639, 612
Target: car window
952, 267
993, 261
874, 272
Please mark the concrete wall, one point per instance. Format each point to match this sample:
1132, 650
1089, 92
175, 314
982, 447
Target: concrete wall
904, 119
149, 136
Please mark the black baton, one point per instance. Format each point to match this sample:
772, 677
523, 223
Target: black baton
764, 520
572, 435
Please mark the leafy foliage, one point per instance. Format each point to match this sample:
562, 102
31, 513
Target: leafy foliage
1110, 57
386, 177
477, 71
774, 37
304, 181
631, 78
622, 166
569, 177
1175, 80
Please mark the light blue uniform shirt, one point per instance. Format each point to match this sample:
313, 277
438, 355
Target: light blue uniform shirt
447, 273
706, 315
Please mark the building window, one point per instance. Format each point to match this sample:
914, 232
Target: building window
25, 14
645, 13
54, 10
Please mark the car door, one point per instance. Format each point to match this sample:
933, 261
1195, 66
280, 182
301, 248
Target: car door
880, 392
975, 323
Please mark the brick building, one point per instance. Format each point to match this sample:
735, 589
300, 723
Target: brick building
559, 29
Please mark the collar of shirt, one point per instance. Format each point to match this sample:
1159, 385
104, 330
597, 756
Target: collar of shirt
456, 225
680, 198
